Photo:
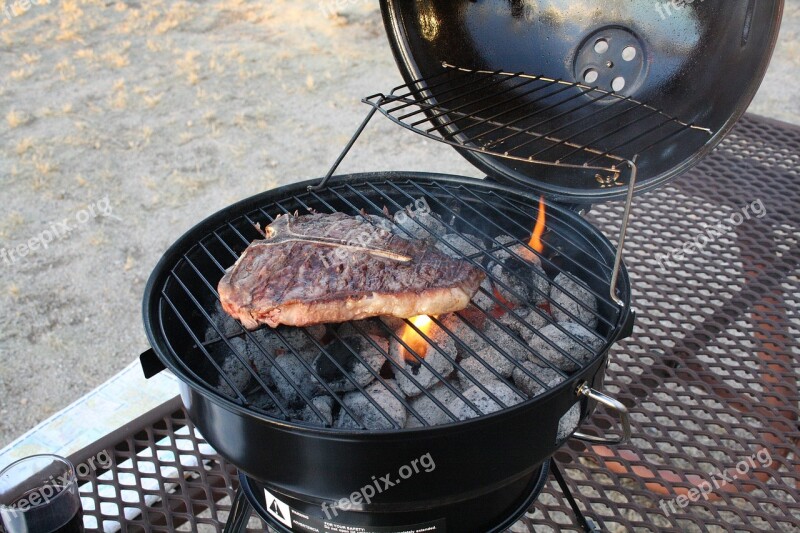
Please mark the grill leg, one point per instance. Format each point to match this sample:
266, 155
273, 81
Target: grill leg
240, 514
585, 523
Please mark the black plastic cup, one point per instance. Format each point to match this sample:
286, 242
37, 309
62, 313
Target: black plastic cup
39, 494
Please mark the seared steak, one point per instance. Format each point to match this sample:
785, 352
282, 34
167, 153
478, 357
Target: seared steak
315, 269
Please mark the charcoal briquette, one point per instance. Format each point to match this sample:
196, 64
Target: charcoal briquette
465, 246
575, 298
323, 404
530, 386
566, 343
351, 354
429, 410
368, 413
483, 402
297, 378
434, 357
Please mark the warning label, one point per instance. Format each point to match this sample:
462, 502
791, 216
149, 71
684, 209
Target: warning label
429, 527
279, 510
300, 522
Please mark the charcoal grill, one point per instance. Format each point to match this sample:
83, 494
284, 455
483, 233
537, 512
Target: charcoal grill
573, 141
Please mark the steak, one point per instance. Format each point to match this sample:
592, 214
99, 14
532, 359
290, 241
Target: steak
322, 268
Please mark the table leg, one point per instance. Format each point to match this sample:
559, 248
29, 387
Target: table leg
240, 514
583, 521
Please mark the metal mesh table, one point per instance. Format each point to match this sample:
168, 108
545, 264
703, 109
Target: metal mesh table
710, 375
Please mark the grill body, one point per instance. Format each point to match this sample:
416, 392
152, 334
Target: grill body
316, 464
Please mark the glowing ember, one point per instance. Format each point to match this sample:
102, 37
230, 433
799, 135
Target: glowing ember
413, 339
499, 310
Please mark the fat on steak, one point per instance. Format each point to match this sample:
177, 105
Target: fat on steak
322, 268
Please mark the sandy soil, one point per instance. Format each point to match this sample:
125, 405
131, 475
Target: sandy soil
127, 122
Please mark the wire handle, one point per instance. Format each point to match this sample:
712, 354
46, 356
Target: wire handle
585, 390
348, 146
623, 229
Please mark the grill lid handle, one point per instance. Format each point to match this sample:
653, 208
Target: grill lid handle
585, 390
151, 364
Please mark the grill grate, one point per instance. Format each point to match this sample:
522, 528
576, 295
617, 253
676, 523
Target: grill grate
532, 119
200, 340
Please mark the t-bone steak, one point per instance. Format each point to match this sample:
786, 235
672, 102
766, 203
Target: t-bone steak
322, 268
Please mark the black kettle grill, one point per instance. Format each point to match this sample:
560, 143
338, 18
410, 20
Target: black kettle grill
578, 101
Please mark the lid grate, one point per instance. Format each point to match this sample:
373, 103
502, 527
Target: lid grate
532, 119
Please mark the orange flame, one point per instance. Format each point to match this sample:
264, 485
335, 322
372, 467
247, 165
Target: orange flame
536, 237
413, 339
535, 241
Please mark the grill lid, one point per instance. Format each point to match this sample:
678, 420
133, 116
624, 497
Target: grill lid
559, 96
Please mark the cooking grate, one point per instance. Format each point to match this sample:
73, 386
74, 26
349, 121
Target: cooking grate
200, 340
532, 119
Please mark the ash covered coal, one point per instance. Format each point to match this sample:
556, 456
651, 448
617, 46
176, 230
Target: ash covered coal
324, 405
293, 378
419, 222
465, 245
518, 277
366, 407
569, 423
240, 369
222, 324
556, 341
484, 402
431, 412
485, 300
417, 375
572, 301
524, 320
352, 361
533, 379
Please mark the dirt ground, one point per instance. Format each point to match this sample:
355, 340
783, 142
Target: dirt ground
124, 123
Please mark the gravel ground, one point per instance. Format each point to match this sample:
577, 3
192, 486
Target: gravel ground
130, 121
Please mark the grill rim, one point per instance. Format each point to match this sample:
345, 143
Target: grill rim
152, 299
